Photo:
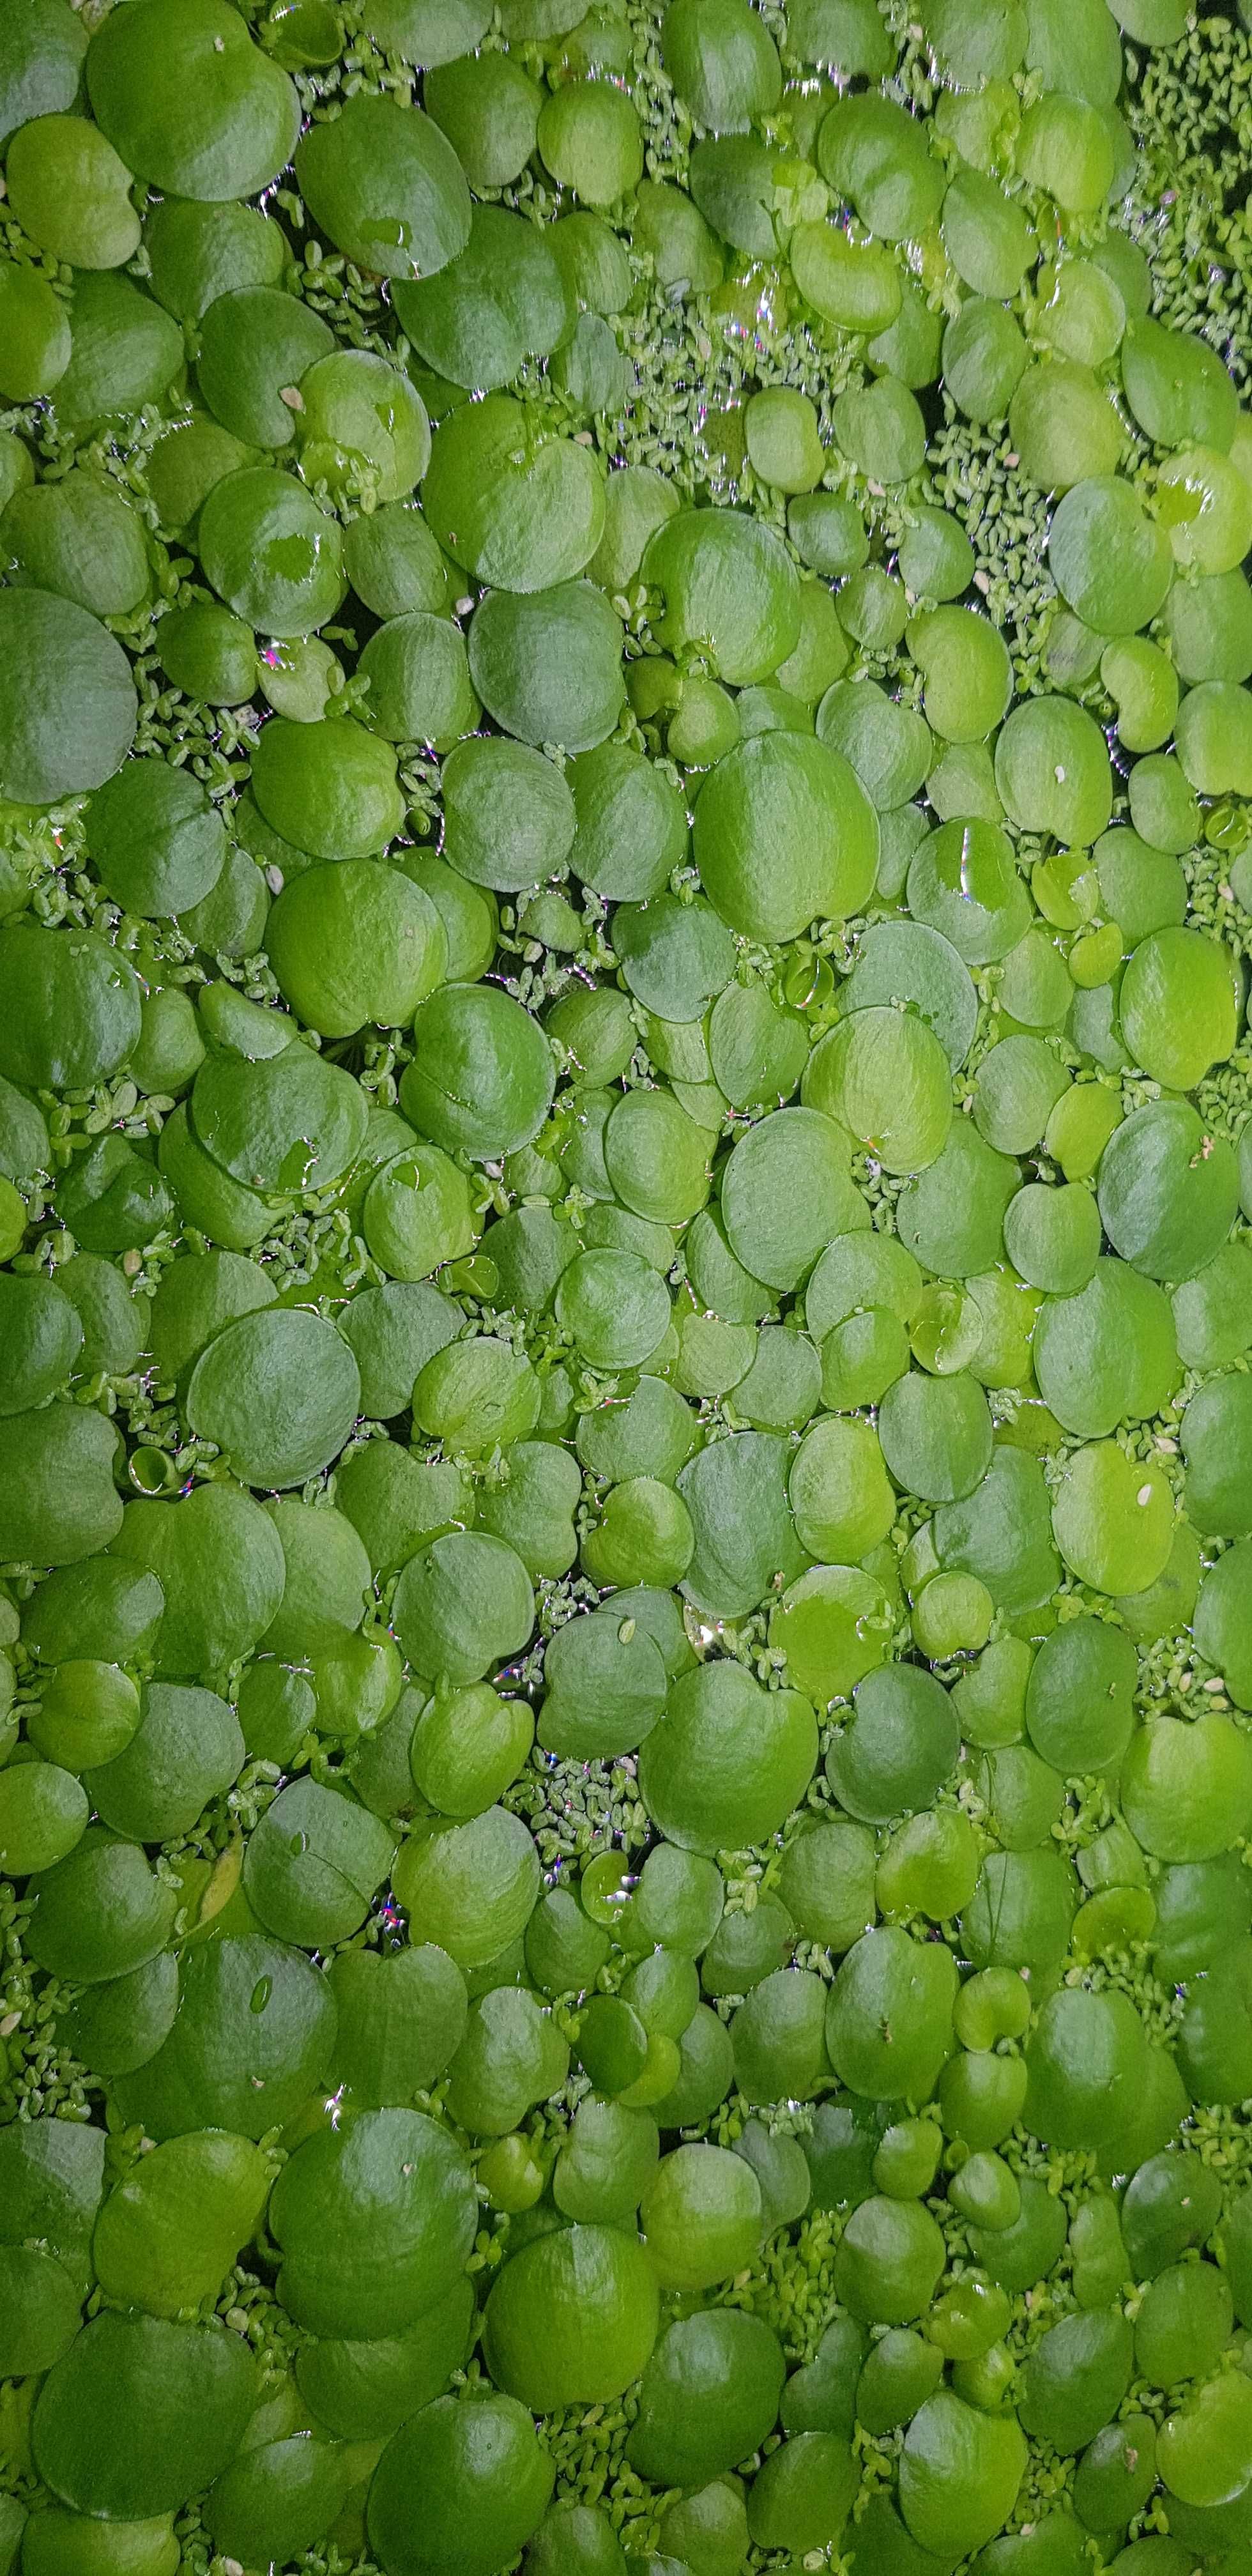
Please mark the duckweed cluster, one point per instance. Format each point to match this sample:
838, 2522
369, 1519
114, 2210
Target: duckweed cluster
626, 1221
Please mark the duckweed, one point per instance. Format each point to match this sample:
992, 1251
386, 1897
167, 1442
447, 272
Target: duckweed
625, 1190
